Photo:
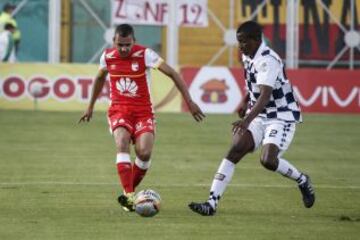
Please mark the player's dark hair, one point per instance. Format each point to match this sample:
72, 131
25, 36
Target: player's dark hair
251, 29
8, 6
9, 26
125, 30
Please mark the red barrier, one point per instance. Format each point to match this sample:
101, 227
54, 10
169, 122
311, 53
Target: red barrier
219, 89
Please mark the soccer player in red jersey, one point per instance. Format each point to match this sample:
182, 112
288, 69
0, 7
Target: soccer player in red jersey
131, 115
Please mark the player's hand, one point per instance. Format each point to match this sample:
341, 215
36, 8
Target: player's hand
240, 126
196, 112
87, 115
241, 111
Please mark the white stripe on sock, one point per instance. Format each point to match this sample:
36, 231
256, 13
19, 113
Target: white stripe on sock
123, 158
222, 178
287, 170
142, 164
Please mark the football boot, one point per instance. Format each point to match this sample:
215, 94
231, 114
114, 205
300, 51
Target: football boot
204, 209
307, 192
126, 201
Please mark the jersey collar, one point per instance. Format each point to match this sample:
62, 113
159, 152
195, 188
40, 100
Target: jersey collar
260, 50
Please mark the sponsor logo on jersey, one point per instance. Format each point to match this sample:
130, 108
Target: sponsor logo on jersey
138, 54
127, 87
110, 55
135, 66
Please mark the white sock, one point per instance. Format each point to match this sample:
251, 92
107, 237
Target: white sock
289, 171
123, 157
221, 180
144, 165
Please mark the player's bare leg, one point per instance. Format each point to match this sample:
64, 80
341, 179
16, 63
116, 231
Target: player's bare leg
122, 141
242, 144
143, 149
270, 160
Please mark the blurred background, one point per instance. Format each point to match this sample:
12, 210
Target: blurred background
197, 37
57, 177
321, 28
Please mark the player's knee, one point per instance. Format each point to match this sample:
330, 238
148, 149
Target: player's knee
122, 145
144, 154
269, 162
235, 153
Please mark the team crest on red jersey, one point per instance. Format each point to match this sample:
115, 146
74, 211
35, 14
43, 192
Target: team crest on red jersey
135, 66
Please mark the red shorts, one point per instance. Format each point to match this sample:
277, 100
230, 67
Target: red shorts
136, 119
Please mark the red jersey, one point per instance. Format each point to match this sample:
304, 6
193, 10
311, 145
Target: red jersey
130, 78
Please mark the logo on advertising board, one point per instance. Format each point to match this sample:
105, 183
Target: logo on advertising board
215, 90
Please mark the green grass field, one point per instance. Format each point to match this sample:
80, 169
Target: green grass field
58, 181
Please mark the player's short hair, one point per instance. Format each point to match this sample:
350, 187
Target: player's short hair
251, 29
125, 30
8, 6
9, 26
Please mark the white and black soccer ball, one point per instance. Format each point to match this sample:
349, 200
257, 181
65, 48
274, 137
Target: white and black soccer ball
147, 203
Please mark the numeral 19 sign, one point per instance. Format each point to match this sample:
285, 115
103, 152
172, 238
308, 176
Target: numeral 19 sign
189, 13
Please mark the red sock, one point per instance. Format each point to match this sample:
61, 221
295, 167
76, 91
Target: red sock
126, 177
138, 175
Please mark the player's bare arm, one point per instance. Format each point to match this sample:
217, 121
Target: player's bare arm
180, 84
241, 110
98, 85
240, 126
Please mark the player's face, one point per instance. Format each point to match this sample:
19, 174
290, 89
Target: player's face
247, 46
124, 44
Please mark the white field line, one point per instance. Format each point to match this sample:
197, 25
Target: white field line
240, 185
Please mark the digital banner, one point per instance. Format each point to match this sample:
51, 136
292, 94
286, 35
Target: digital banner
67, 87
189, 13
220, 89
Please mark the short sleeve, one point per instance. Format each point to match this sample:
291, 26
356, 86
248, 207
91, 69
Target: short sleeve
268, 70
152, 59
102, 62
244, 58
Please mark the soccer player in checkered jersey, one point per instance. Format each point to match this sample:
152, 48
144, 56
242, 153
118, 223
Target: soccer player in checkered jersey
130, 115
268, 115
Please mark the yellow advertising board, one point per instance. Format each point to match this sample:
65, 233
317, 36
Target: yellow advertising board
67, 87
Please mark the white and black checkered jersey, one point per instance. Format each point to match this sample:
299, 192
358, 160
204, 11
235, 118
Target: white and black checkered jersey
267, 68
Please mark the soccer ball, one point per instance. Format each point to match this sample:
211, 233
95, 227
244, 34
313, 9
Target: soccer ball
147, 203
